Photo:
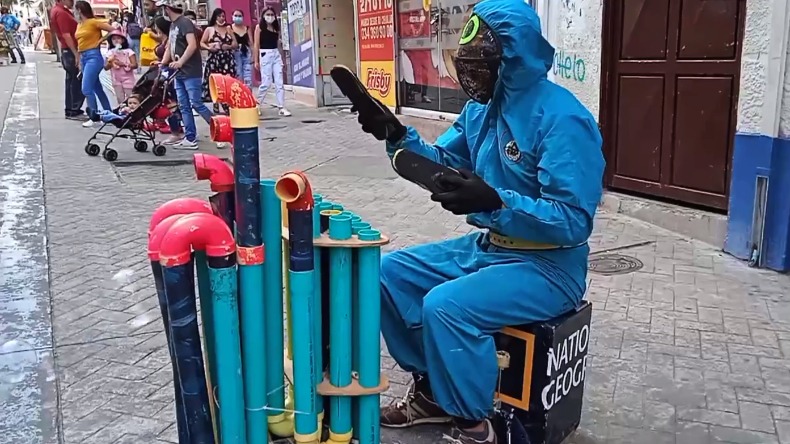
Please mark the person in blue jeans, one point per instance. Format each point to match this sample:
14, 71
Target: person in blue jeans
243, 54
182, 54
135, 32
89, 39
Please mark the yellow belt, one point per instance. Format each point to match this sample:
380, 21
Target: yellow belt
518, 244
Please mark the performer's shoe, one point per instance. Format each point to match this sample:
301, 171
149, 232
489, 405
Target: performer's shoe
414, 409
462, 436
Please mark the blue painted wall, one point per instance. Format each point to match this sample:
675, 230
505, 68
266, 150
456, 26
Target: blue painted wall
755, 155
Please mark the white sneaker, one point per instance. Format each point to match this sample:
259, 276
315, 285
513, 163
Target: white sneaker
87, 124
174, 139
284, 112
222, 145
195, 113
186, 145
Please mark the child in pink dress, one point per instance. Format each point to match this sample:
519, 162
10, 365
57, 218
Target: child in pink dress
121, 62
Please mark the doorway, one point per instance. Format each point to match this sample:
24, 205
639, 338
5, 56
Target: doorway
669, 97
336, 46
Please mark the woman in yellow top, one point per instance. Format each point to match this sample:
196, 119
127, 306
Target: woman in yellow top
89, 39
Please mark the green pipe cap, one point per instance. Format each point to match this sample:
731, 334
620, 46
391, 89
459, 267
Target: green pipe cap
340, 227
369, 235
356, 227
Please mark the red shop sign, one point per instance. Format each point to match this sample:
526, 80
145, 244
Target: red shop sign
376, 30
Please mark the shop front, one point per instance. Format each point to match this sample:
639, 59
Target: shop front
376, 49
428, 34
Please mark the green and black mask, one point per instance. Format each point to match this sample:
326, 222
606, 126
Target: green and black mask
478, 59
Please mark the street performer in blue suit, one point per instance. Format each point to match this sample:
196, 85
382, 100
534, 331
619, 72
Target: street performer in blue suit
531, 167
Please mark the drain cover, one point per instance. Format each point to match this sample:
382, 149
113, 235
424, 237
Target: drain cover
154, 172
312, 121
614, 264
275, 127
269, 118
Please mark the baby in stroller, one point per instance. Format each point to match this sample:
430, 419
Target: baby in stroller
152, 99
132, 103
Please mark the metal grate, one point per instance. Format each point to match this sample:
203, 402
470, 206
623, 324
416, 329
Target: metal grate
612, 264
154, 172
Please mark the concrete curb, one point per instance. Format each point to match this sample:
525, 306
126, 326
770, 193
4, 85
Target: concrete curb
700, 225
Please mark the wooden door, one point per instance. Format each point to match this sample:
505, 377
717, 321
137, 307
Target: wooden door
669, 99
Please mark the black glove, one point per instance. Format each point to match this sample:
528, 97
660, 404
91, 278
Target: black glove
380, 122
470, 194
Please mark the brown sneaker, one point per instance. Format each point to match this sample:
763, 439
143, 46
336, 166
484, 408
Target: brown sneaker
459, 436
414, 409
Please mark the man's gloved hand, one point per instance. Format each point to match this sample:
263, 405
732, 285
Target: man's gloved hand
379, 121
470, 194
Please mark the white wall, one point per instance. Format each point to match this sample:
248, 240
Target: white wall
754, 65
574, 29
781, 29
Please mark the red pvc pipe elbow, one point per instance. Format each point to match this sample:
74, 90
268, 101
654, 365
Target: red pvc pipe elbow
230, 91
185, 205
294, 189
215, 170
220, 129
196, 232
155, 236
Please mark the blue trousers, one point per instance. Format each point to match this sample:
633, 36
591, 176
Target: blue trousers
442, 302
134, 45
92, 89
244, 66
189, 92
73, 86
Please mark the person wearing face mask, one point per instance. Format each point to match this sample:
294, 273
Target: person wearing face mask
220, 43
266, 40
134, 31
192, 16
243, 54
121, 62
182, 53
530, 168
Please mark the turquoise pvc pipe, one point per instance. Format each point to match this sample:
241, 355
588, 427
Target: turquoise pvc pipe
273, 296
206, 314
340, 323
318, 359
306, 417
354, 330
367, 331
253, 345
356, 227
225, 323
337, 207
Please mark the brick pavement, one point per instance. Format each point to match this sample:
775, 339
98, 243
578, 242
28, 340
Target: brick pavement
694, 348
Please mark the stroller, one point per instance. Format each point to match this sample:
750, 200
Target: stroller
155, 87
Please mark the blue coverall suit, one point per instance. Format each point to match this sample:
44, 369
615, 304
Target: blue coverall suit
443, 301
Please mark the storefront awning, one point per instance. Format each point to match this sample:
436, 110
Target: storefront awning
108, 4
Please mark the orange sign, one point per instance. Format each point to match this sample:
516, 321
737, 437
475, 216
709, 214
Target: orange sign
379, 79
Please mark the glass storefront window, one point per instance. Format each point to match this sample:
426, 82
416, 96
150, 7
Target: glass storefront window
428, 33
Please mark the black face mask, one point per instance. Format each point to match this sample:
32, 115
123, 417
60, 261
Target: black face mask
477, 60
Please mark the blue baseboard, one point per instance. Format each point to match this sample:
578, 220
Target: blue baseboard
757, 155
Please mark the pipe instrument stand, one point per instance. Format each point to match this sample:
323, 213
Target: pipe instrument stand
248, 376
